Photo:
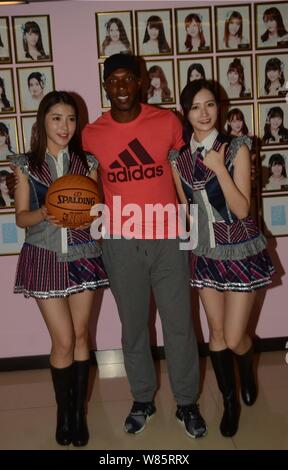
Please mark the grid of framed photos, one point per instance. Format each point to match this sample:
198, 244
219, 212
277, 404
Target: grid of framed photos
244, 48
26, 75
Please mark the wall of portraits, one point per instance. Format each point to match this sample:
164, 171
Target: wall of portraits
243, 47
23, 83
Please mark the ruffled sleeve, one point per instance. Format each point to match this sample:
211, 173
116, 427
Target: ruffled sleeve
236, 143
21, 161
92, 162
173, 155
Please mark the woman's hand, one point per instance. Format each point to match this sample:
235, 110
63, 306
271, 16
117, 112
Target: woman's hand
215, 161
50, 218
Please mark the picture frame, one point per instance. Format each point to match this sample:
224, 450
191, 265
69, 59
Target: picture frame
7, 99
274, 180
266, 112
33, 84
194, 68
227, 67
11, 236
5, 44
275, 215
6, 202
233, 28
277, 12
275, 66
156, 20
27, 123
161, 82
193, 19
32, 38
232, 112
105, 103
9, 141
114, 32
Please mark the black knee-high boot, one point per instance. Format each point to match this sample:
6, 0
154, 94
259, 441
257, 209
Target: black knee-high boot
63, 384
247, 378
80, 435
223, 366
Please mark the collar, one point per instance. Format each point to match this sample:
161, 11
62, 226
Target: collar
60, 154
207, 143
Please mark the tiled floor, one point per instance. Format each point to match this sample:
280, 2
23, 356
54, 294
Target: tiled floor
27, 411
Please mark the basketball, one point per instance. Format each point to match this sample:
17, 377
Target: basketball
70, 198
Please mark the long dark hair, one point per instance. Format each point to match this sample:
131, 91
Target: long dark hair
155, 21
273, 14
273, 64
276, 111
5, 132
39, 141
32, 26
3, 96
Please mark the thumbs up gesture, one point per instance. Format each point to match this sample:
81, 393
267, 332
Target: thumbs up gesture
215, 161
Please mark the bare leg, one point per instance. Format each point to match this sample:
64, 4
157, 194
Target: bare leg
56, 314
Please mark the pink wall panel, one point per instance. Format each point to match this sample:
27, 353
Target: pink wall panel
22, 331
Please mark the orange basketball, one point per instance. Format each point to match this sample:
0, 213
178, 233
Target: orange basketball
70, 199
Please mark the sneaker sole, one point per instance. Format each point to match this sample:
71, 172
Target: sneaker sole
143, 427
188, 433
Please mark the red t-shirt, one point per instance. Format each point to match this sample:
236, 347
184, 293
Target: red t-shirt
133, 159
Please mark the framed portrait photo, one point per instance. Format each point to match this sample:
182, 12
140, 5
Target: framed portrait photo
275, 215
238, 120
33, 84
193, 30
274, 170
235, 77
6, 201
9, 142
105, 103
233, 27
154, 32
273, 123
11, 236
189, 70
32, 38
271, 25
272, 75
160, 83
5, 46
114, 33
7, 95
27, 123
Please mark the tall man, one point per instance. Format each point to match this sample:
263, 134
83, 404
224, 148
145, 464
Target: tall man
131, 143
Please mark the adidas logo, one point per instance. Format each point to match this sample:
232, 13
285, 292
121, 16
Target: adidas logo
130, 169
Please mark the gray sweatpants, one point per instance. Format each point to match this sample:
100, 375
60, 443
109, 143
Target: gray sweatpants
133, 267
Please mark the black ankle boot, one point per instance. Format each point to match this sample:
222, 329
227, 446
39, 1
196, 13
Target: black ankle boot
247, 377
63, 382
223, 366
80, 435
